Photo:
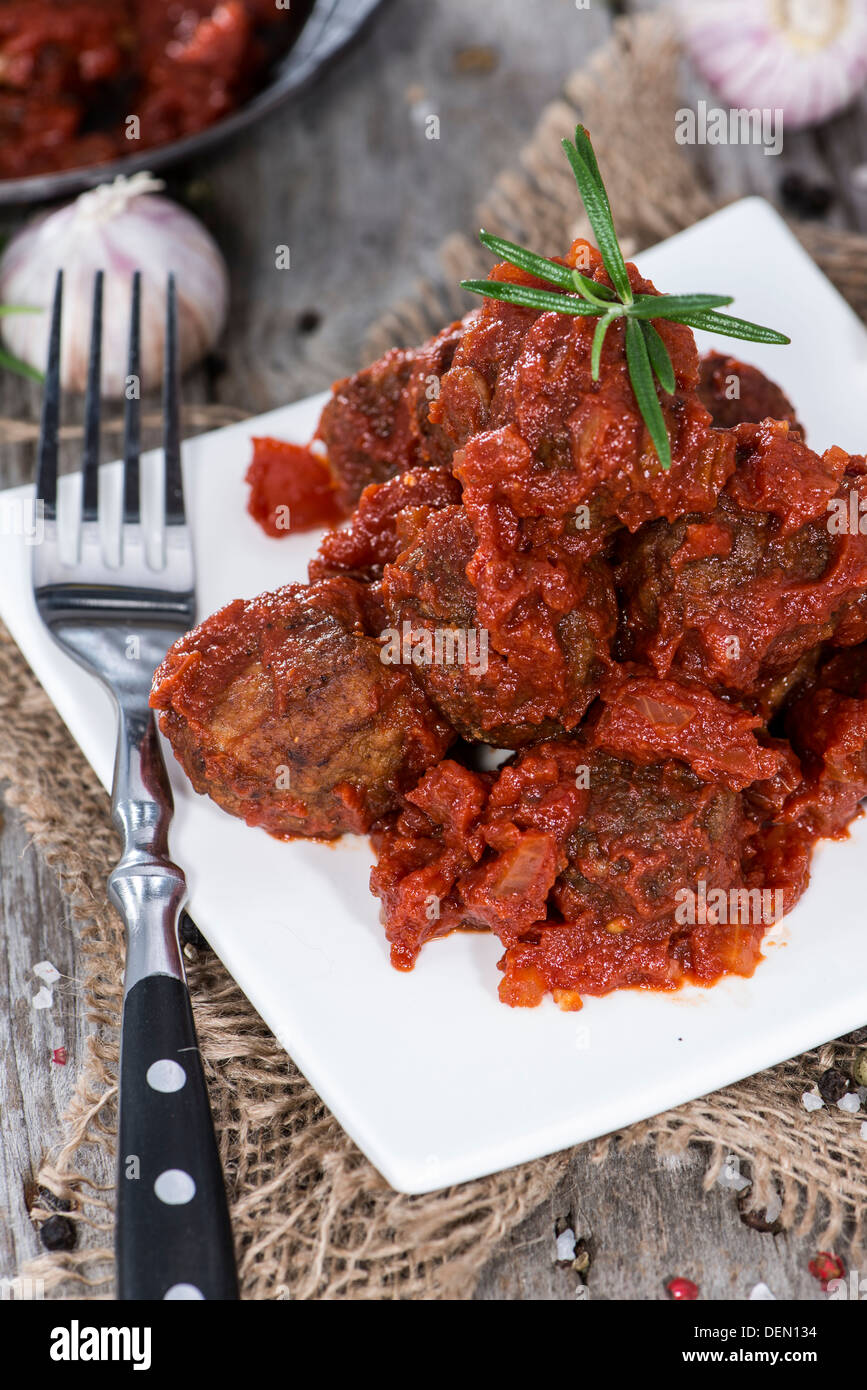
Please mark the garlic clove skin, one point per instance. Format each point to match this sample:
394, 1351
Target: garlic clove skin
807, 58
118, 228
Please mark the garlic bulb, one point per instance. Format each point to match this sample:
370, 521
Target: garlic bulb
117, 227
807, 58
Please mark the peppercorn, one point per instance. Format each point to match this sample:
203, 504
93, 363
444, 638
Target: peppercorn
804, 197
58, 1233
859, 1069
826, 1267
832, 1085
682, 1289
758, 1221
189, 933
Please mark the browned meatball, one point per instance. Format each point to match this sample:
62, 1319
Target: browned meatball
521, 406
281, 711
377, 422
758, 398
386, 518
536, 628
826, 723
736, 599
644, 835
584, 864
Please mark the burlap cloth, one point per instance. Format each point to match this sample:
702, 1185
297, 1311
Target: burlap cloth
312, 1217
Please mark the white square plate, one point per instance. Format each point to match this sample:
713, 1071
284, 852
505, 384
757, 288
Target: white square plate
435, 1079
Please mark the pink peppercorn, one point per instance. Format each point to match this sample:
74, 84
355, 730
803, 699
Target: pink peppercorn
826, 1267
682, 1289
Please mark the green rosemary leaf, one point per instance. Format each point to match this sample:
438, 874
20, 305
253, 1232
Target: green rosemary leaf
641, 376
660, 360
530, 298
20, 309
667, 306
602, 328
539, 266
596, 293
584, 146
732, 327
598, 210
647, 357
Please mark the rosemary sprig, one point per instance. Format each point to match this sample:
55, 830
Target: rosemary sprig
647, 357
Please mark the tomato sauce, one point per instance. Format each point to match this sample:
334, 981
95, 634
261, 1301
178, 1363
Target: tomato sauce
73, 74
290, 488
676, 660
659, 835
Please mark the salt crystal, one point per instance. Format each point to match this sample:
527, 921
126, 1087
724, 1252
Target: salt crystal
731, 1176
566, 1244
811, 1101
762, 1294
773, 1208
44, 999
850, 1103
864, 1129
47, 972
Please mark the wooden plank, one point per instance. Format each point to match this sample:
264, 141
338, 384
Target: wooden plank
645, 1220
34, 1090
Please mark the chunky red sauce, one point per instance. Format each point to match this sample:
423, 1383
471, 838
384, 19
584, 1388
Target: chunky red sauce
291, 488
679, 658
73, 72
705, 740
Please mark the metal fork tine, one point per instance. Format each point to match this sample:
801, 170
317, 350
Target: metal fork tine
132, 410
46, 471
90, 458
174, 487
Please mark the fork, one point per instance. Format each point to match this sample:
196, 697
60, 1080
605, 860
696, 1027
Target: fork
173, 1236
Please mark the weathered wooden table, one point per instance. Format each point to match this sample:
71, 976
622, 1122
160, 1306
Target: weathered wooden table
346, 178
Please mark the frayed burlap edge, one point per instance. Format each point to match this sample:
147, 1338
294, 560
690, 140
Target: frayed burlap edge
312, 1218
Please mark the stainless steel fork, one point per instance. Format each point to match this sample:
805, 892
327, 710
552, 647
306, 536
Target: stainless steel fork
173, 1235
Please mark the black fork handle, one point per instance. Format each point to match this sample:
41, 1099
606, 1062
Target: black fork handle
174, 1240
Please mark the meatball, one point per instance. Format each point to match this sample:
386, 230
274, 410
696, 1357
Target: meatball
524, 635
738, 598
648, 839
377, 422
758, 398
826, 723
523, 378
595, 871
387, 516
280, 709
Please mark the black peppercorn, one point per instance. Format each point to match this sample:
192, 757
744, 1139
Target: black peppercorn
58, 1233
805, 198
308, 321
758, 1221
832, 1086
189, 933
